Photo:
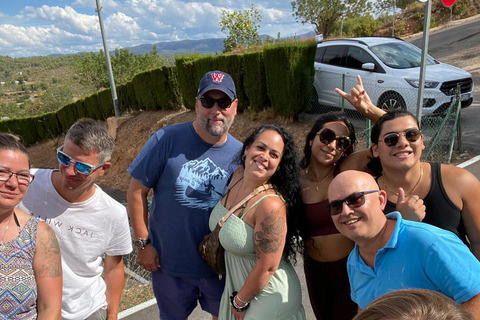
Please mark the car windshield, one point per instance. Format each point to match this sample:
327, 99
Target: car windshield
400, 55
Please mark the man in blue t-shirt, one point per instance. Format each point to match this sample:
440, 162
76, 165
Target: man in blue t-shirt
187, 165
391, 253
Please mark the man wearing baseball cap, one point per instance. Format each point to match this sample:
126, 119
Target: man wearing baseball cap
187, 165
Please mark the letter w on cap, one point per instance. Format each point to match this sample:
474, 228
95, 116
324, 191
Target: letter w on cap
217, 77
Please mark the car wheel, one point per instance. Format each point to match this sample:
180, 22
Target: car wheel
391, 100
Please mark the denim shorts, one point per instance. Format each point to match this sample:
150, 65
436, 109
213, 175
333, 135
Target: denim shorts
177, 297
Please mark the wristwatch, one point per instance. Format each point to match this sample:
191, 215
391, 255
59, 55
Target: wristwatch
140, 243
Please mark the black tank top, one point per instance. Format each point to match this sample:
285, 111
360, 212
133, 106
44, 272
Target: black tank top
440, 212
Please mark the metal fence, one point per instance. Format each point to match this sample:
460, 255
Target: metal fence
441, 128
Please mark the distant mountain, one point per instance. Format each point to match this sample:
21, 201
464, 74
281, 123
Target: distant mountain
211, 45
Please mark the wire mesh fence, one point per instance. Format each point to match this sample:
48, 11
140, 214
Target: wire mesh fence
440, 122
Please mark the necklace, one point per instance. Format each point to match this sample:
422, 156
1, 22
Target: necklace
2, 245
316, 181
406, 194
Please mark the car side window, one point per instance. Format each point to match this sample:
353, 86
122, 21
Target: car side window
319, 54
333, 55
356, 57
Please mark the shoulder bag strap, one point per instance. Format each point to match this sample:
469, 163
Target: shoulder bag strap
260, 189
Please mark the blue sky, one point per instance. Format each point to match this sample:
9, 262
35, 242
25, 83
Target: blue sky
36, 28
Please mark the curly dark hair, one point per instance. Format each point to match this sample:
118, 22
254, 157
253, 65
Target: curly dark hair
317, 126
375, 164
284, 180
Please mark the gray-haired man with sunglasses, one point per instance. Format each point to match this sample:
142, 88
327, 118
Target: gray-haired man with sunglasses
91, 227
187, 165
391, 253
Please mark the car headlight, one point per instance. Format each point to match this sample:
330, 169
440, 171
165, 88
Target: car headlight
428, 84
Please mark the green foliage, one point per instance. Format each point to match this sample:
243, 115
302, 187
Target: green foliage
384, 6
255, 80
241, 28
289, 68
233, 65
125, 65
127, 100
365, 26
324, 13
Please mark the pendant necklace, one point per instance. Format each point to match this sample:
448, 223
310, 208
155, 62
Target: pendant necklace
313, 180
406, 194
2, 245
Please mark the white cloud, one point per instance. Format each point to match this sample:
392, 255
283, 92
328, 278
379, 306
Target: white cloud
74, 28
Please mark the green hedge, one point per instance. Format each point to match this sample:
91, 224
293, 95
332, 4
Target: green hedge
278, 77
255, 83
288, 69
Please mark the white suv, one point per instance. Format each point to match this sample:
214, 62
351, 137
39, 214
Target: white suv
390, 70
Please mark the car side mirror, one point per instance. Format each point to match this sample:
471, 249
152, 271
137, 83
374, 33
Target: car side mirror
368, 66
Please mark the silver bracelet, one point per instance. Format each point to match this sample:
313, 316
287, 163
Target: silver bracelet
240, 299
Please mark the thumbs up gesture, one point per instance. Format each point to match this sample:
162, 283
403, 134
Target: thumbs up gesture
412, 207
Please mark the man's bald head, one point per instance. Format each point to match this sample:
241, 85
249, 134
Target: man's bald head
348, 182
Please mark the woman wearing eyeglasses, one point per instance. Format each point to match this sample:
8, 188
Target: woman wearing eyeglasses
442, 195
30, 266
330, 140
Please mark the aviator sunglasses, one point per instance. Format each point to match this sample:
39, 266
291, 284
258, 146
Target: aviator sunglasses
327, 136
223, 103
355, 200
391, 139
82, 167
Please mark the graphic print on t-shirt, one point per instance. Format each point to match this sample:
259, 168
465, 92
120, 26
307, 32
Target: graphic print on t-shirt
200, 184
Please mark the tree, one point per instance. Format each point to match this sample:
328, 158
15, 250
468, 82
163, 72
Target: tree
385, 6
125, 66
241, 28
324, 13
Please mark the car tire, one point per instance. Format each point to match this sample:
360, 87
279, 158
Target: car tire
467, 103
391, 100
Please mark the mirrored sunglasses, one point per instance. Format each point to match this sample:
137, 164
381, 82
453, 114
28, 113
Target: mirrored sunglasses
81, 167
355, 200
391, 139
327, 136
223, 103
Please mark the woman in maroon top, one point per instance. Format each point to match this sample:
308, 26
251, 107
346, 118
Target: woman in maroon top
330, 140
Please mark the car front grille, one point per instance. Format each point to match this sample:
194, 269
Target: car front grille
449, 87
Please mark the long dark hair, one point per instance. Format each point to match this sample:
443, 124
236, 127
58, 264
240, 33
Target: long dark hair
284, 180
375, 164
318, 125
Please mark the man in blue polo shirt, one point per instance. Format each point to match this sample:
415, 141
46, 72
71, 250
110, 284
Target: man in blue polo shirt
391, 253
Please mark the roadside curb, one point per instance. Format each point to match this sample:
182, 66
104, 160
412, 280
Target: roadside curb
139, 307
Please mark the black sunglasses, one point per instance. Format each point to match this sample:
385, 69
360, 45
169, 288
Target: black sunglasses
223, 103
391, 139
354, 200
327, 136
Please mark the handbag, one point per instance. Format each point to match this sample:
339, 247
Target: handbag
210, 248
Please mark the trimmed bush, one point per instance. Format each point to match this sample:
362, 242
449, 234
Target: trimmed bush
47, 126
289, 69
233, 65
127, 100
105, 103
166, 91
255, 83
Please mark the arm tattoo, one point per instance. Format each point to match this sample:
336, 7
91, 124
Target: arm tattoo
50, 265
269, 238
